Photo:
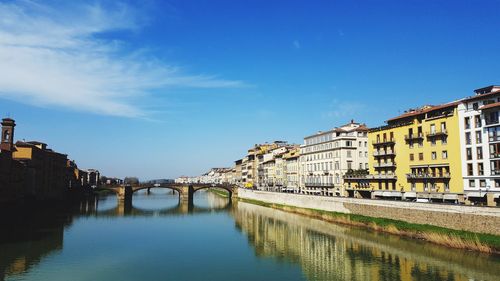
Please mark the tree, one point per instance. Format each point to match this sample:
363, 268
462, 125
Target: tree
131, 180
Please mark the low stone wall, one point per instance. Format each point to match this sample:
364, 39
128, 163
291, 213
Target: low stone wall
474, 219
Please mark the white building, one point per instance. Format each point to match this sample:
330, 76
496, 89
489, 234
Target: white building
479, 125
326, 156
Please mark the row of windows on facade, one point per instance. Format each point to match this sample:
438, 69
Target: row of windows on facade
331, 155
490, 118
332, 136
482, 183
444, 155
493, 135
495, 168
328, 166
494, 152
336, 144
433, 141
321, 179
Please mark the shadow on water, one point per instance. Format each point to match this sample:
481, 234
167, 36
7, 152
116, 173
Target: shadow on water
28, 235
326, 251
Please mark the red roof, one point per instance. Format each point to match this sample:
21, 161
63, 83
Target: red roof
491, 105
423, 111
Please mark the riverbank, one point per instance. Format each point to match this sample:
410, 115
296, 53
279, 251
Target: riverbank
221, 193
461, 239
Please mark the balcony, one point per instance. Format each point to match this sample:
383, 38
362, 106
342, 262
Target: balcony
384, 165
428, 176
384, 142
372, 177
495, 155
310, 184
432, 134
411, 137
378, 153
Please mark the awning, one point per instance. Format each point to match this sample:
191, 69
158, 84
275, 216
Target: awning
391, 194
475, 194
450, 197
410, 194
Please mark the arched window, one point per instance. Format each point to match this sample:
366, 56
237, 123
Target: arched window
6, 135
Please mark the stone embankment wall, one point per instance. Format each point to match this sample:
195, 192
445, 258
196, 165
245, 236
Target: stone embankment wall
474, 219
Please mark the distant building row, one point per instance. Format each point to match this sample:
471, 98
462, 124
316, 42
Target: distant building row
448, 152
31, 170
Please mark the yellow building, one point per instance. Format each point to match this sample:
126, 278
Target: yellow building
416, 155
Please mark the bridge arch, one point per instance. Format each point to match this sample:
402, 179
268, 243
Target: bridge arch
135, 189
227, 188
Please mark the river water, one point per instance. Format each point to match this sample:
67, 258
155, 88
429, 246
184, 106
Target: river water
159, 239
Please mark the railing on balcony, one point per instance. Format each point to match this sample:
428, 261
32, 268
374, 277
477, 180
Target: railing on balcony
383, 141
495, 155
383, 152
414, 137
443, 132
370, 177
384, 165
428, 176
311, 184
495, 172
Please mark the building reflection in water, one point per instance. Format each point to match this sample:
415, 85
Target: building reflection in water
26, 237
326, 251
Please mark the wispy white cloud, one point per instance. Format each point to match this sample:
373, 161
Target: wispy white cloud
296, 44
53, 55
341, 109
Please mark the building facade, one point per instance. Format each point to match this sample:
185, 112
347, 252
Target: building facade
326, 156
480, 144
416, 155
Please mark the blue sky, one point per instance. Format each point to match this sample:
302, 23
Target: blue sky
158, 89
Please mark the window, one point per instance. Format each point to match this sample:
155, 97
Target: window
433, 141
421, 156
477, 121
444, 140
470, 170
433, 128
411, 157
413, 186
482, 183
478, 137
469, 153
444, 154
479, 151
349, 154
472, 183
360, 154
475, 106
433, 155
348, 143
349, 165
359, 143
480, 169
467, 138
467, 123
497, 183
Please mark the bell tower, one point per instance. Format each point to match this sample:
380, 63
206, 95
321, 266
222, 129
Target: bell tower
7, 136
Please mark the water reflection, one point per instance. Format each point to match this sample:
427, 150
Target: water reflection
27, 237
327, 251
100, 239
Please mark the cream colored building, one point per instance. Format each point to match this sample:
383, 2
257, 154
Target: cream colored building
326, 156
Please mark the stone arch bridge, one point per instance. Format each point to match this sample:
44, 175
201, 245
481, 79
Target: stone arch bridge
185, 191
